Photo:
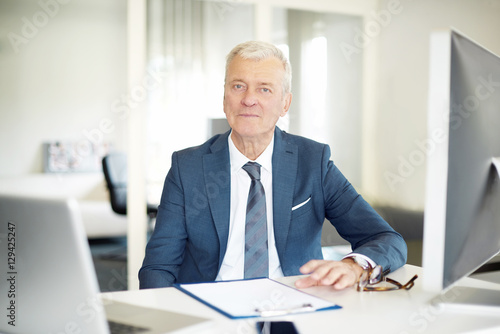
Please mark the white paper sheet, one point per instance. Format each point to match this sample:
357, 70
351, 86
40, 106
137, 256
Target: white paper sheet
255, 298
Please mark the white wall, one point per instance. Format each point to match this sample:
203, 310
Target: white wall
62, 68
403, 60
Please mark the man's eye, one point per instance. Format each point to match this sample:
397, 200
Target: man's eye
238, 86
266, 90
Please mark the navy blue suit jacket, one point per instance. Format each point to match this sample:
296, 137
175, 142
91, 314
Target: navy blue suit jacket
192, 226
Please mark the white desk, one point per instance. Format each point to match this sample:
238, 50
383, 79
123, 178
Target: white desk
363, 312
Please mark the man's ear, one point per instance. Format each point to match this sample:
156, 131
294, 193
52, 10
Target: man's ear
224, 102
286, 105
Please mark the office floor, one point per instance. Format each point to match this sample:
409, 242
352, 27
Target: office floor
109, 256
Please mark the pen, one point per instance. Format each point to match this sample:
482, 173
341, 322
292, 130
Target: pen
277, 312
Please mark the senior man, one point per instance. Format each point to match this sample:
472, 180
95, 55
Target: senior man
252, 202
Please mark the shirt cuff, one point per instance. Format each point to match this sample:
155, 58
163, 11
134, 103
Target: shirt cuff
364, 261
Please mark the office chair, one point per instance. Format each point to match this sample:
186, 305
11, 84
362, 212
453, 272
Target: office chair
114, 166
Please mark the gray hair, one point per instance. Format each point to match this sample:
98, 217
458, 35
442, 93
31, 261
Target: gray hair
257, 50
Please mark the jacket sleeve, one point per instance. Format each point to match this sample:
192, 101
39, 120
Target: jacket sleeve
165, 249
357, 222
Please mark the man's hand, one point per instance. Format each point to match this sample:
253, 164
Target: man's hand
339, 274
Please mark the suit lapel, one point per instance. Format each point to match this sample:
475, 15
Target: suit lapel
217, 174
216, 169
285, 159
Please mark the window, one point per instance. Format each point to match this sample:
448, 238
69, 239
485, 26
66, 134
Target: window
326, 87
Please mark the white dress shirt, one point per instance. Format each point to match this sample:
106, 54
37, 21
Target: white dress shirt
234, 260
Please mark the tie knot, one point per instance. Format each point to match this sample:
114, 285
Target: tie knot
253, 169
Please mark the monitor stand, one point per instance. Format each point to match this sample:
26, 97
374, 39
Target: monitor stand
469, 299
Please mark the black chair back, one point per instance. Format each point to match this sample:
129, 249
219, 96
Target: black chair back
114, 166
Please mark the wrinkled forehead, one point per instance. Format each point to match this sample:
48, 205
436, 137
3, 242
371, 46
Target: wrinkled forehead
269, 70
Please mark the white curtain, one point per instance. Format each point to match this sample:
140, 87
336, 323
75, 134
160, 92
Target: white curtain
175, 61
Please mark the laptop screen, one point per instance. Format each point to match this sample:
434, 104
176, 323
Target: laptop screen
46, 269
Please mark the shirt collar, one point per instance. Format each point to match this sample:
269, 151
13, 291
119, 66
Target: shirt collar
237, 159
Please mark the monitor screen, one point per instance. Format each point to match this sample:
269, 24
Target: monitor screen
462, 213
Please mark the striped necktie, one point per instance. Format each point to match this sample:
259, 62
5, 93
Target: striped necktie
256, 256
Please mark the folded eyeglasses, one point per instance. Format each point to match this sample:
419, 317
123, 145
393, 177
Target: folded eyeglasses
372, 276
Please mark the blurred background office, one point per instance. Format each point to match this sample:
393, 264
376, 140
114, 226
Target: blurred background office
73, 74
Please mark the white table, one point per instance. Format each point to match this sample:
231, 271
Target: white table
401, 311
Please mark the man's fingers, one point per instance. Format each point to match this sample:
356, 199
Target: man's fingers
311, 266
336, 273
344, 281
321, 273
305, 282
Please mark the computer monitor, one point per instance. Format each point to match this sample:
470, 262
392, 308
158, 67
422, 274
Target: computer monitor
462, 213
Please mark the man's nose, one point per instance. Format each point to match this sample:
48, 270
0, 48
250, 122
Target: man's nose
249, 99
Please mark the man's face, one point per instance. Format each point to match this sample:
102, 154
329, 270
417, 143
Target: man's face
253, 96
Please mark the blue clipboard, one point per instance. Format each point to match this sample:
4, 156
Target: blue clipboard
259, 297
